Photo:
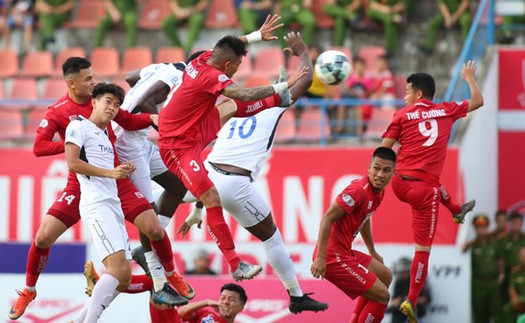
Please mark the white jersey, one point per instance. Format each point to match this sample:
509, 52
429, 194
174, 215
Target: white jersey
246, 142
95, 149
149, 75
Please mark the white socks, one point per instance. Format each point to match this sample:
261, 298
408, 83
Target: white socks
156, 270
104, 292
279, 259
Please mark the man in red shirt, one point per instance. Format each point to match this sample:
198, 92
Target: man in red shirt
357, 274
64, 213
423, 130
190, 121
231, 302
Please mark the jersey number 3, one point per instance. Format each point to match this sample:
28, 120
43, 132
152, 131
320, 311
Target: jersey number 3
431, 133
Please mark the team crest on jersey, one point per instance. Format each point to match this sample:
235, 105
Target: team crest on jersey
348, 200
72, 117
43, 123
208, 319
223, 78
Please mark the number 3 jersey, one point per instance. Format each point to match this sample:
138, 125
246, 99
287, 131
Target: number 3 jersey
247, 142
423, 130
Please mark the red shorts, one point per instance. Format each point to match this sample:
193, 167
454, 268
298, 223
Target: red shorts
348, 271
186, 163
66, 210
132, 200
424, 199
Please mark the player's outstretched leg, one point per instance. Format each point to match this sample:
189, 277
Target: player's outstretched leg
246, 271
24, 298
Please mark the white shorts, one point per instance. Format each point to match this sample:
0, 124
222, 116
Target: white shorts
106, 226
149, 164
239, 197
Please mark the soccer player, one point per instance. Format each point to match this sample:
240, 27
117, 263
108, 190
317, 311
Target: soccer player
239, 154
64, 212
189, 121
423, 130
231, 302
357, 274
89, 154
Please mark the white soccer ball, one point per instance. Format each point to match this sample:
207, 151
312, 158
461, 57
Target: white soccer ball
332, 67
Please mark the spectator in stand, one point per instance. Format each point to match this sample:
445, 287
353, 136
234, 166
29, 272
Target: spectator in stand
384, 83
201, 264
451, 13
345, 13
507, 25
52, 14
487, 272
296, 11
252, 13
510, 246
21, 15
359, 86
400, 292
191, 11
390, 14
125, 12
501, 224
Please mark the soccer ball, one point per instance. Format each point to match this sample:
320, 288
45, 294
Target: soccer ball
332, 67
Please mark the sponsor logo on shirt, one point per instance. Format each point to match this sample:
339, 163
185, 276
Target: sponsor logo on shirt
348, 200
106, 149
223, 78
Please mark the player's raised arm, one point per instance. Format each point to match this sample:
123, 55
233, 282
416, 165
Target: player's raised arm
265, 33
297, 47
467, 73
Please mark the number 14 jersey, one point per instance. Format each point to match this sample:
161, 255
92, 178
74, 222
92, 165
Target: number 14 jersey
423, 130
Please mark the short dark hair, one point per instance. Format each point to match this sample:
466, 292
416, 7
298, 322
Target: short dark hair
385, 153
237, 289
515, 215
73, 65
501, 212
194, 55
111, 88
358, 60
230, 44
423, 82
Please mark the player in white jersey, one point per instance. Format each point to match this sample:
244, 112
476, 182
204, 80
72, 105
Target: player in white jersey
89, 153
240, 152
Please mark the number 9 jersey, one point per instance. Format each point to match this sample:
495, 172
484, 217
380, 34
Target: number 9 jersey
423, 130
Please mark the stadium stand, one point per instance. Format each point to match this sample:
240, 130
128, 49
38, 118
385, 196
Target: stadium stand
8, 63
169, 55
37, 64
221, 14
89, 14
105, 61
153, 14
135, 58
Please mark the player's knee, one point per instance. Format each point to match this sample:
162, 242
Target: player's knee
210, 198
384, 296
44, 239
155, 231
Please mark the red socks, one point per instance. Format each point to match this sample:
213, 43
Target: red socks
418, 275
220, 232
163, 249
168, 315
359, 306
36, 262
372, 313
250, 108
447, 201
139, 284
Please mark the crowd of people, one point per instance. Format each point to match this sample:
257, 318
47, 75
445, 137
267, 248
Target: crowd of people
104, 189
498, 268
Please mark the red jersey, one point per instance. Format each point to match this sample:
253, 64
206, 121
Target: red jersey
423, 130
59, 115
359, 201
385, 81
207, 315
189, 101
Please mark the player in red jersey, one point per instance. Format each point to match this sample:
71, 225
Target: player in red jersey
357, 274
423, 130
190, 120
64, 213
231, 302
